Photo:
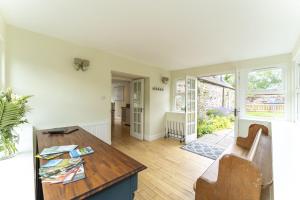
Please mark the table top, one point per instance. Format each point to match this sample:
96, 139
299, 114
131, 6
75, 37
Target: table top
103, 168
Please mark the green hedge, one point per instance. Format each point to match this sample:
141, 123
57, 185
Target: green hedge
213, 123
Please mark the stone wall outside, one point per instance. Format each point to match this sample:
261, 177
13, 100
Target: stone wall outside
210, 96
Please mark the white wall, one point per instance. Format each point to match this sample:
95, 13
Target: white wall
42, 66
296, 52
2, 28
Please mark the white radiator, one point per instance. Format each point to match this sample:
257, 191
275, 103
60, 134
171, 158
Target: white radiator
175, 125
100, 130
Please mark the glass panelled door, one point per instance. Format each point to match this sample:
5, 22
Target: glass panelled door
237, 102
191, 109
137, 109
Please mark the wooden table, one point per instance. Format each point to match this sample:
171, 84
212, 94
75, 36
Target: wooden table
110, 174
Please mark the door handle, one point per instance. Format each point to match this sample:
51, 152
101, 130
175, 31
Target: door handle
236, 111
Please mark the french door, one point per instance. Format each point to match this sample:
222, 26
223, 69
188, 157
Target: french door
190, 109
237, 102
137, 109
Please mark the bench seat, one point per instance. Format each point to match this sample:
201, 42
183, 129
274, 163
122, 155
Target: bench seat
254, 153
211, 174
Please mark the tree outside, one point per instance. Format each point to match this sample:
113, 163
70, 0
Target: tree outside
265, 97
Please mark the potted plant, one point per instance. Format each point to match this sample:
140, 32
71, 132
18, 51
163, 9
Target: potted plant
12, 113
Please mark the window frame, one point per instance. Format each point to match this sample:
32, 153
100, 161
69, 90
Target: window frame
2, 63
175, 93
297, 91
283, 91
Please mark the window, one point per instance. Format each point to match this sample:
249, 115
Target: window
2, 77
180, 95
297, 92
266, 93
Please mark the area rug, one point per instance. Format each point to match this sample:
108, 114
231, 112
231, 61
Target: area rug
204, 149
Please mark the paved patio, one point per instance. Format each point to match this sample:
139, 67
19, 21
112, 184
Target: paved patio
222, 138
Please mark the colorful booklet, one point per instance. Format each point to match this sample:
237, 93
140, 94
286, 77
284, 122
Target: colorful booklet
52, 163
57, 149
79, 174
81, 152
48, 157
70, 175
74, 174
54, 167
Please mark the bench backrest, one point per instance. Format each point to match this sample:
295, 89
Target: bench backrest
259, 143
254, 146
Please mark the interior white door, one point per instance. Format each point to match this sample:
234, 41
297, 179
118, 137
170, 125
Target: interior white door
190, 109
137, 109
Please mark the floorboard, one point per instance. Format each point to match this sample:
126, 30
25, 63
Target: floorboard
171, 171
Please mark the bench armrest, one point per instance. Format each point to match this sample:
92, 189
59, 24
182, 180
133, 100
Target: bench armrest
253, 130
238, 179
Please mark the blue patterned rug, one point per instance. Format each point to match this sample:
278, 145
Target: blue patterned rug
204, 149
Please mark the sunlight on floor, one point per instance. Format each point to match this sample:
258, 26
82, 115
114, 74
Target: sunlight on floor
171, 171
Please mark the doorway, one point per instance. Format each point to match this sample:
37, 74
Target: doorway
127, 105
208, 103
215, 109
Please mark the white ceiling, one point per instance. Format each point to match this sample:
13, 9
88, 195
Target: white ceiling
171, 34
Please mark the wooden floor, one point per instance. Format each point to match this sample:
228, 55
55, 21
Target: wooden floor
171, 171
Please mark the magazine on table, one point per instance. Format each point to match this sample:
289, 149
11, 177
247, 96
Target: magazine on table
58, 165
48, 157
81, 152
75, 174
62, 171
57, 149
79, 174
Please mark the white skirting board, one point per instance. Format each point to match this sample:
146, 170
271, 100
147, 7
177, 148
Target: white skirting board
153, 137
100, 130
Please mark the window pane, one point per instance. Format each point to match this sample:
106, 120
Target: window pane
180, 96
298, 106
265, 105
180, 86
180, 103
265, 79
298, 77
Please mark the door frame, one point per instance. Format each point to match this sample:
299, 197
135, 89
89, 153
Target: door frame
118, 75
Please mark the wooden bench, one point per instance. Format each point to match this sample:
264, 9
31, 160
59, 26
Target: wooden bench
243, 171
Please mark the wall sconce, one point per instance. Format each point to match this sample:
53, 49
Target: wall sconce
81, 64
164, 80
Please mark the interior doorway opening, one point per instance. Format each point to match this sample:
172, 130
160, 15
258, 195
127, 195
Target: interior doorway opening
127, 105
